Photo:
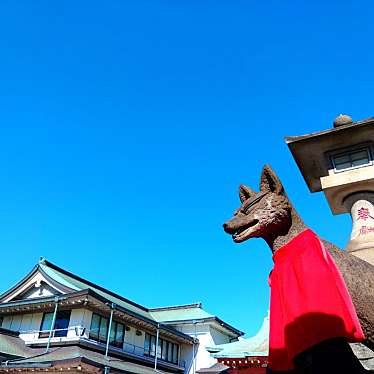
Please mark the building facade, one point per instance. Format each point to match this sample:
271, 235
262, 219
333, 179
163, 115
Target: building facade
55, 320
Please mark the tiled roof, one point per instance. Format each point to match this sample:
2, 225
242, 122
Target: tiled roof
12, 345
189, 313
76, 283
217, 368
74, 352
257, 345
180, 313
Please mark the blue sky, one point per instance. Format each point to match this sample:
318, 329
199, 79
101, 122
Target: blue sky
127, 126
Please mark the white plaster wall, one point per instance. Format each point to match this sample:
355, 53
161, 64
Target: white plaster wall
186, 353
27, 324
7, 320
129, 340
30, 326
219, 337
16, 322
81, 319
138, 342
202, 332
208, 336
203, 357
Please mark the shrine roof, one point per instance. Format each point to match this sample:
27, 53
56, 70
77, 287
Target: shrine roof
217, 368
257, 345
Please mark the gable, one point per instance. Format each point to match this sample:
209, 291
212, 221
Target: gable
41, 289
34, 285
61, 281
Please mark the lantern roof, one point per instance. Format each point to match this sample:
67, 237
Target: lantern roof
310, 150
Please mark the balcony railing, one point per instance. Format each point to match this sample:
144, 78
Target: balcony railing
73, 331
81, 333
78, 331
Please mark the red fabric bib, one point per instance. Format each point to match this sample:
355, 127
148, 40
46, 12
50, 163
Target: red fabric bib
309, 301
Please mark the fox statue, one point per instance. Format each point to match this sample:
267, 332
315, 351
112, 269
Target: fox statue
328, 276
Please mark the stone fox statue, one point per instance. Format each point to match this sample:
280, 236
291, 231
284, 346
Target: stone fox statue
268, 214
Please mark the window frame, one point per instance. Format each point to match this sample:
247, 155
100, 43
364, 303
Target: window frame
168, 352
99, 337
62, 333
348, 151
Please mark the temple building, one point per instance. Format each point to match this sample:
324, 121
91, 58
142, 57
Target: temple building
53, 320
245, 356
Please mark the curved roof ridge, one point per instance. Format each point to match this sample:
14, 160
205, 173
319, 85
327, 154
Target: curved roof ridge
176, 307
56, 268
19, 283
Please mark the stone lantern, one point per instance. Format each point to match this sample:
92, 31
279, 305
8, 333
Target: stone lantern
340, 162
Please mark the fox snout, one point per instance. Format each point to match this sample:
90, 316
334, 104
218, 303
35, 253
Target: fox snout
231, 226
227, 228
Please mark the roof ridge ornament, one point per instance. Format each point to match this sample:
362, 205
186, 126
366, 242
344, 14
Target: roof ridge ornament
342, 119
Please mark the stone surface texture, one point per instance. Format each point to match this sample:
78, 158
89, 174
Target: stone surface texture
269, 214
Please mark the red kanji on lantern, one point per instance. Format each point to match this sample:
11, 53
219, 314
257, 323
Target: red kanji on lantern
363, 213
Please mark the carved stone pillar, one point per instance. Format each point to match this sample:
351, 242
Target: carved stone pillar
361, 206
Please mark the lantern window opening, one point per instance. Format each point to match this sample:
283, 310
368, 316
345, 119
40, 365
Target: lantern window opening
351, 158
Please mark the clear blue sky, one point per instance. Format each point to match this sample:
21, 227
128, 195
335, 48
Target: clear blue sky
127, 126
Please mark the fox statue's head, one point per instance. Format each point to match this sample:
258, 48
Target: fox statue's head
266, 214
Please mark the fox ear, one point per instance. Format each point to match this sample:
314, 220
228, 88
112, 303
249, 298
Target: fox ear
245, 193
270, 182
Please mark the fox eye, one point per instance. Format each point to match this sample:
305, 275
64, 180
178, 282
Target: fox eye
237, 211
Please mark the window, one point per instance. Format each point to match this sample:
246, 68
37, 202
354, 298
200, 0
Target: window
170, 351
119, 335
95, 327
351, 159
60, 328
166, 351
147, 344
99, 331
175, 354
153, 346
103, 332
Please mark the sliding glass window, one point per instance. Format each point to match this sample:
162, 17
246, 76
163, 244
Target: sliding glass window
167, 351
99, 331
60, 328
